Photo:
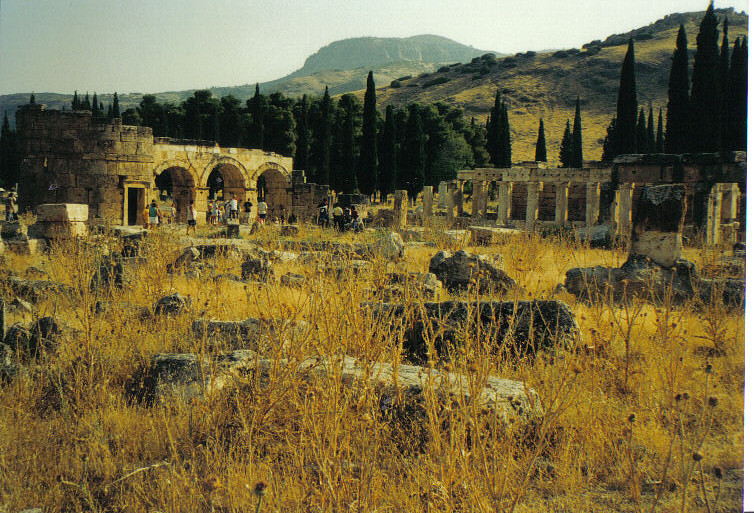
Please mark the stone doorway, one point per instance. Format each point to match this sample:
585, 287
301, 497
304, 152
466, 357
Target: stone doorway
134, 201
272, 187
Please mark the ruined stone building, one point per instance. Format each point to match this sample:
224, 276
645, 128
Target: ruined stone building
116, 169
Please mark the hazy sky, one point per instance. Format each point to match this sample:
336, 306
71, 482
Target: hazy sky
159, 45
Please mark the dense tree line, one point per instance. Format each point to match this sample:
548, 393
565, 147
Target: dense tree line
705, 114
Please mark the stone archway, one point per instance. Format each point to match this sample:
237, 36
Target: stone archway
273, 184
179, 183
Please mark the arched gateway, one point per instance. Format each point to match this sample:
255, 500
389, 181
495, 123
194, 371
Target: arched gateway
71, 157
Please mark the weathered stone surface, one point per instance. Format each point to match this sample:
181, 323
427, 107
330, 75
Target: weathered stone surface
187, 376
20, 305
108, 274
9, 364
56, 230
484, 235
425, 285
232, 231
657, 224
343, 268
597, 236
42, 334
62, 212
258, 269
252, 333
35, 290
188, 256
13, 230
293, 280
515, 327
389, 246
642, 278
25, 246
172, 304
460, 270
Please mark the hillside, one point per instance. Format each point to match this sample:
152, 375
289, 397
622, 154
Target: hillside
341, 65
546, 85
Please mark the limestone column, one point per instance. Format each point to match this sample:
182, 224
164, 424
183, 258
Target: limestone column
729, 209
625, 201
561, 203
658, 224
476, 194
452, 198
714, 212
483, 201
459, 197
504, 191
427, 199
532, 204
202, 193
400, 208
442, 195
592, 203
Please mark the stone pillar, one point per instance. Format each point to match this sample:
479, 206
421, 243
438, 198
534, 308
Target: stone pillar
2, 318
561, 203
201, 204
477, 192
459, 197
400, 208
442, 195
729, 208
714, 214
592, 203
625, 201
452, 198
504, 191
427, 202
658, 224
532, 204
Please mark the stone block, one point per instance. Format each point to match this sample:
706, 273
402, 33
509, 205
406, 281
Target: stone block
62, 212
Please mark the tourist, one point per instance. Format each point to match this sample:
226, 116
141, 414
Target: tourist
247, 211
173, 212
323, 218
154, 215
261, 211
337, 216
233, 213
10, 208
191, 219
356, 223
145, 216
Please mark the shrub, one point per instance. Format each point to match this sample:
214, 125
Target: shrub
435, 81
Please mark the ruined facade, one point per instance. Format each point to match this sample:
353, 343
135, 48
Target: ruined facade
115, 169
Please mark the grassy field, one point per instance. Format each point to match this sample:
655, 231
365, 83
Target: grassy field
645, 414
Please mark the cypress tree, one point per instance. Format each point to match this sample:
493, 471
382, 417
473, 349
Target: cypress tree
660, 143
413, 154
32, 100
95, 105
303, 135
705, 92
625, 120
116, 105
86, 105
75, 103
738, 84
577, 151
566, 146
678, 115
346, 180
109, 110
504, 136
8, 154
368, 156
325, 138
388, 154
641, 133
651, 132
609, 150
540, 154
493, 127
723, 82
256, 109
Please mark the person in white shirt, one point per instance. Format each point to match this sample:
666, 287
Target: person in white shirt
233, 208
191, 218
262, 211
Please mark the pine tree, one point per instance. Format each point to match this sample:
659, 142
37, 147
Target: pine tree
388, 154
723, 82
368, 156
32, 100
566, 146
625, 120
660, 142
705, 88
75, 104
577, 151
738, 85
540, 154
256, 130
651, 132
641, 133
678, 111
412, 161
116, 106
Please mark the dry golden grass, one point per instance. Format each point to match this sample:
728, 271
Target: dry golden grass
625, 413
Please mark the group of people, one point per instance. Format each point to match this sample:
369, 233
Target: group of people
343, 217
220, 213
